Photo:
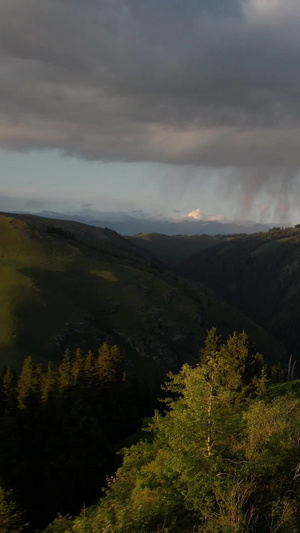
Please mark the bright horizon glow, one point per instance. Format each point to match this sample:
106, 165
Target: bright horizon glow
47, 180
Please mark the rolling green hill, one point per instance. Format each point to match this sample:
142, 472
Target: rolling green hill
65, 284
57, 291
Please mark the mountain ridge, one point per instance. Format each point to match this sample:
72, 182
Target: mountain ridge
126, 224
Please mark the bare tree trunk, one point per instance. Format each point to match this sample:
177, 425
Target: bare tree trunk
209, 443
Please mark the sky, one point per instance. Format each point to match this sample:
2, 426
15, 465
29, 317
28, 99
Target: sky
164, 108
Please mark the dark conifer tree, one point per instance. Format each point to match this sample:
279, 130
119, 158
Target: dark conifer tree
89, 370
65, 378
77, 365
11, 520
9, 390
108, 363
29, 382
49, 379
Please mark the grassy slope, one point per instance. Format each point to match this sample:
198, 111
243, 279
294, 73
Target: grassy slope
50, 284
103, 239
56, 292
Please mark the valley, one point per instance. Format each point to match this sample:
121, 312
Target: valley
92, 322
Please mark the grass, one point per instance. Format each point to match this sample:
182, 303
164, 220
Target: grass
268, 246
56, 292
49, 283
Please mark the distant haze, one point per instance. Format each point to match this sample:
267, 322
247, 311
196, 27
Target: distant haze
136, 223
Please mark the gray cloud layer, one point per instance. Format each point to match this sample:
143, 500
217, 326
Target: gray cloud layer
203, 82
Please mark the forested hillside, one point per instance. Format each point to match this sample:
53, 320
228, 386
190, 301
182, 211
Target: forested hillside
60, 429
224, 457
172, 251
259, 275
91, 323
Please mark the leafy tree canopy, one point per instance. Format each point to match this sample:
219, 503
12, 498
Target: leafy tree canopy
223, 458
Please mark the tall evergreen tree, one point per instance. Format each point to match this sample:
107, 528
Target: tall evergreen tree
108, 363
10, 518
29, 382
9, 388
48, 382
65, 378
77, 366
89, 370
194, 473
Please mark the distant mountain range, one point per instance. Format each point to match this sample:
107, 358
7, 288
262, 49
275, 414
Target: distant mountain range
128, 225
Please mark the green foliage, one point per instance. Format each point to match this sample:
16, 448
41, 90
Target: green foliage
59, 429
29, 382
58, 292
48, 382
62, 524
277, 373
77, 366
11, 520
108, 363
9, 389
65, 374
60, 231
8, 380
223, 458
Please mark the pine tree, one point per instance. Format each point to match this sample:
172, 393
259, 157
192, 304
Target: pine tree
211, 346
108, 363
77, 365
65, 378
9, 387
277, 373
10, 518
48, 382
89, 370
29, 382
116, 360
221, 459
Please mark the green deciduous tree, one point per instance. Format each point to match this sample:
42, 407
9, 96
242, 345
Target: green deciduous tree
222, 459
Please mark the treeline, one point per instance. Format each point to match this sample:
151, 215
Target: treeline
60, 429
61, 232
118, 248
223, 458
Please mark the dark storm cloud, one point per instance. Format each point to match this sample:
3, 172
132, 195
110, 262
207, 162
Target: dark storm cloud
208, 82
